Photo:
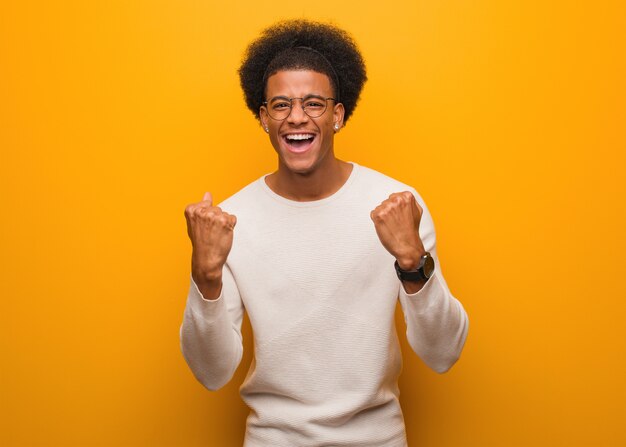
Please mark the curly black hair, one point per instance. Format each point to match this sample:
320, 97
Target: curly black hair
303, 45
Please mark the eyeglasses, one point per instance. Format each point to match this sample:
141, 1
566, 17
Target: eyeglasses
279, 107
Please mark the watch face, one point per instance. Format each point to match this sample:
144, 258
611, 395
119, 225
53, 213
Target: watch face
429, 266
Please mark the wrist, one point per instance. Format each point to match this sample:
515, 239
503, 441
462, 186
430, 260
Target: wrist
210, 288
207, 275
411, 261
421, 273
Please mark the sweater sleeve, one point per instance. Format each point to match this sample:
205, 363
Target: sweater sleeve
436, 322
210, 334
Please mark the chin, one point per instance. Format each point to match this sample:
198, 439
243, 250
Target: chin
301, 164
300, 167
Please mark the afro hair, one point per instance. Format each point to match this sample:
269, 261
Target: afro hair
303, 45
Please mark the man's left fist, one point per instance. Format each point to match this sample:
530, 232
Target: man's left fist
397, 222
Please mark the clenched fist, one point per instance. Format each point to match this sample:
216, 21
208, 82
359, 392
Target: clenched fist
397, 222
211, 232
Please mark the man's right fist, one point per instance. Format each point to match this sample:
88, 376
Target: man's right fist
211, 232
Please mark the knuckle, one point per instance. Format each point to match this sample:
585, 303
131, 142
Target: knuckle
201, 211
206, 214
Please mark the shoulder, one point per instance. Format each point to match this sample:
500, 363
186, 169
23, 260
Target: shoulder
379, 179
244, 199
379, 186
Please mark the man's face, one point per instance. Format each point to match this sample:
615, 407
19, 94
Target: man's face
303, 143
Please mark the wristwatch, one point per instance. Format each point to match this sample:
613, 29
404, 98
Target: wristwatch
423, 271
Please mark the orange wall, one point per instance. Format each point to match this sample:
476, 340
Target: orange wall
508, 117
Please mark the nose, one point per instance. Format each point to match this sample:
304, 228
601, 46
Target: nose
297, 114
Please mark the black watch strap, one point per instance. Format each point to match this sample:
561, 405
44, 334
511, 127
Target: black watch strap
421, 273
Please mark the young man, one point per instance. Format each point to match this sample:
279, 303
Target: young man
317, 253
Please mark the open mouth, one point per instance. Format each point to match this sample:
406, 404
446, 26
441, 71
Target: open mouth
299, 142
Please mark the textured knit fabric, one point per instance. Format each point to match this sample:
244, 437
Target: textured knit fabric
320, 291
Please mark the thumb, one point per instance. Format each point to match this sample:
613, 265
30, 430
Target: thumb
209, 197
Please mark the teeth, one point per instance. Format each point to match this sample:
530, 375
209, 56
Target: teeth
299, 136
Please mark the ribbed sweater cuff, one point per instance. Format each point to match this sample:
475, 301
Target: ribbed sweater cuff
210, 310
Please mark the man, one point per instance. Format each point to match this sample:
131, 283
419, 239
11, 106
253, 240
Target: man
317, 253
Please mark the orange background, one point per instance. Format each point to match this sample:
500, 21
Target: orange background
508, 117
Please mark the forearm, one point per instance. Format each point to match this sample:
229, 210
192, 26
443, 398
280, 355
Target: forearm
437, 324
411, 287
210, 342
210, 289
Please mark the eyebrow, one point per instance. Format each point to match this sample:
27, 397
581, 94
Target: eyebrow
310, 95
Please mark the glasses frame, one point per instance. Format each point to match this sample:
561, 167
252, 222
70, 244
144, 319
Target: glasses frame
265, 103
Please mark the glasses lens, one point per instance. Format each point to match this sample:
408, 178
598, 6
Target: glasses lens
279, 108
314, 107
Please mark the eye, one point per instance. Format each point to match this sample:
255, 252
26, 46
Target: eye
313, 104
280, 105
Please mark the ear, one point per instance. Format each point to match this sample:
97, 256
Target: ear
338, 114
263, 117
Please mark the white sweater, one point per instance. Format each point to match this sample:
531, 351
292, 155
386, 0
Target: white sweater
320, 291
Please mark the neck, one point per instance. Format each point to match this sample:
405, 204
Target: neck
320, 183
